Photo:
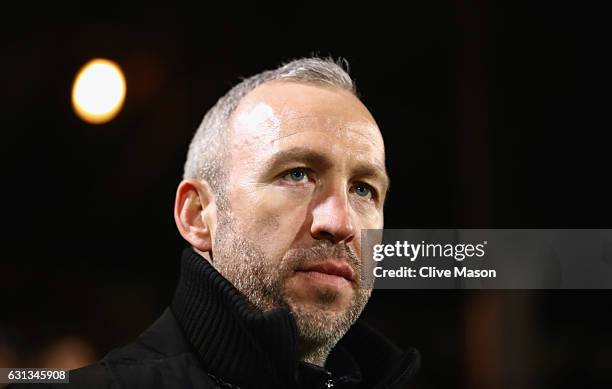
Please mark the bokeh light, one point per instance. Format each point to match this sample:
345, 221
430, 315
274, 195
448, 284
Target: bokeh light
98, 91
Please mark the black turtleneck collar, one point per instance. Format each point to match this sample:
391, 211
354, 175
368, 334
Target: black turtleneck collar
242, 346
236, 342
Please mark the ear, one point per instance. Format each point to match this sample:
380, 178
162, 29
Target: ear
195, 213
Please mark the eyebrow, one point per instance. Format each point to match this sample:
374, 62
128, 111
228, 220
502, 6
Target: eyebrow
311, 157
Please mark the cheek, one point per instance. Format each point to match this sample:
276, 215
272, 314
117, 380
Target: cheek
368, 218
281, 213
372, 220
274, 218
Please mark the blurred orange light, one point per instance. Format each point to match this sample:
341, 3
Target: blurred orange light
98, 91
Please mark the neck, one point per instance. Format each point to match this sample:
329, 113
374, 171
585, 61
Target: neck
314, 353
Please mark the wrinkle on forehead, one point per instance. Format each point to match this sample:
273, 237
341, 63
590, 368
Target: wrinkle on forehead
336, 130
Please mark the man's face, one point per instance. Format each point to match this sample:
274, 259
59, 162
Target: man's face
305, 175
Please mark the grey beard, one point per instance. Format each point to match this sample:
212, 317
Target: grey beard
261, 280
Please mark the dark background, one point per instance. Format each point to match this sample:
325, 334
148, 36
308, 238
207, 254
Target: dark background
494, 115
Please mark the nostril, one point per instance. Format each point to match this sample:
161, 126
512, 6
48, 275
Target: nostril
325, 235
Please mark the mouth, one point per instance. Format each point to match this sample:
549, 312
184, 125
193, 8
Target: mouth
335, 273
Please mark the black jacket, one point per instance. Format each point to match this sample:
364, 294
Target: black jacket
212, 337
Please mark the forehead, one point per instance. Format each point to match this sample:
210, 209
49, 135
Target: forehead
278, 113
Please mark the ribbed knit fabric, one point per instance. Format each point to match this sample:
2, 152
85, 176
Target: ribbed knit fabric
237, 343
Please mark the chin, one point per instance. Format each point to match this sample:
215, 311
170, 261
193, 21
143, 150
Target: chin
320, 324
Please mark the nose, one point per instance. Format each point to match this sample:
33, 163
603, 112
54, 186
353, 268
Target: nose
331, 218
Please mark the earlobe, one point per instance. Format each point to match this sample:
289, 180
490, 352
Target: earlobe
193, 208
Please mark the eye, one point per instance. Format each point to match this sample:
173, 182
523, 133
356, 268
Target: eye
364, 190
296, 175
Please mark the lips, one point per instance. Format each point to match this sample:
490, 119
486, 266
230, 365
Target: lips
332, 268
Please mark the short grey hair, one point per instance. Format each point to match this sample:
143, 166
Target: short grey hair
207, 152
